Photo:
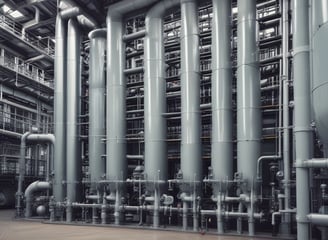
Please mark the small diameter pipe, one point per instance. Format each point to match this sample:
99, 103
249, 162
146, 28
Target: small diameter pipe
133, 36
259, 164
21, 173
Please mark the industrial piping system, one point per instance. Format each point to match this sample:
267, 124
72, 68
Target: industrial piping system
109, 181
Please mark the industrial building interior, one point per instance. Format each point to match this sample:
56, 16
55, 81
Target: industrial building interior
186, 115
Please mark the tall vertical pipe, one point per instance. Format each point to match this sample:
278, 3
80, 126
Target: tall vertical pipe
60, 110
73, 155
302, 124
155, 98
191, 161
221, 154
22, 154
248, 92
285, 81
116, 107
221, 149
249, 124
97, 106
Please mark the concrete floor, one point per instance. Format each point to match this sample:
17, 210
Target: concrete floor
31, 230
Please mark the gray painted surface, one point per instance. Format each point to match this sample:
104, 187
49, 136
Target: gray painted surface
320, 70
191, 162
60, 110
302, 122
73, 154
155, 101
97, 106
221, 155
249, 123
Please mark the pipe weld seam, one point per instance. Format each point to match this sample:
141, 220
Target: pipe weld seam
300, 49
302, 129
245, 19
324, 24
319, 86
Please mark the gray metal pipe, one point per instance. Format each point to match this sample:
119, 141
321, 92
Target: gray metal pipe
21, 173
155, 101
191, 164
249, 123
320, 82
135, 35
70, 12
60, 110
30, 190
221, 154
318, 219
97, 107
302, 122
191, 161
73, 155
116, 90
33, 22
286, 220
316, 163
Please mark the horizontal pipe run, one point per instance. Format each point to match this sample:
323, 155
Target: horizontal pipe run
133, 70
133, 36
316, 163
318, 219
139, 157
230, 214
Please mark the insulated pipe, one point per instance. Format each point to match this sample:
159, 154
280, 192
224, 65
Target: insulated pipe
249, 123
316, 163
97, 107
116, 92
21, 173
286, 219
318, 219
155, 101
191, 164
60, 110
33, 22
73, 156
221, 154
302, 124
191, 161
320, 71
30, 190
